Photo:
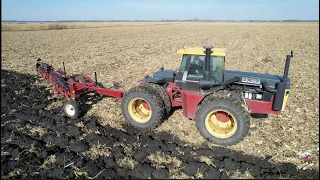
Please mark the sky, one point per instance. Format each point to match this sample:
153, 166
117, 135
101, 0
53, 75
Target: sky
57, 10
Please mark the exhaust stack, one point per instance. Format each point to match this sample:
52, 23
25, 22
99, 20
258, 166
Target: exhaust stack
281, 86
286, 67
207, 73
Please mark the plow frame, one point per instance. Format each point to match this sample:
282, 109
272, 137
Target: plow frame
69, 87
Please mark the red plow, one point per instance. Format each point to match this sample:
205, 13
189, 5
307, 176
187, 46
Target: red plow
73, 86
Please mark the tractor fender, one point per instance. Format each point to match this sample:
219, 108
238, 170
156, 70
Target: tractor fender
221, 86
225, 93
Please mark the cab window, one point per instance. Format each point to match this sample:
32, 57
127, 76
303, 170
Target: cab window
196, 69
217, 68
183, 62
197, 63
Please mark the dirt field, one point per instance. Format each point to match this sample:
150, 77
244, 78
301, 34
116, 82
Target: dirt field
38, 141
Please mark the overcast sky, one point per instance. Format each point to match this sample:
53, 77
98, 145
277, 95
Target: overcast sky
51, 10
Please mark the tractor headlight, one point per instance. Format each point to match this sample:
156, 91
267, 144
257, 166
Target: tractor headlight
250, 80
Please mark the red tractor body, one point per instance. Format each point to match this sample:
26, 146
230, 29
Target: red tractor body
190, 99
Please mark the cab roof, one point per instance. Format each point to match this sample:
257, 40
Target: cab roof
202, 51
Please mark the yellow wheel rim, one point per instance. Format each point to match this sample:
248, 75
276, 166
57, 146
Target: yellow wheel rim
221, 123
139, 110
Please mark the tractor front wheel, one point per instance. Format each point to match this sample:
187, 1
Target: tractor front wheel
222, 121
71, 109
143, 108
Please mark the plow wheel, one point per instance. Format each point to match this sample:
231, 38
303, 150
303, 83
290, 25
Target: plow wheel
222, 121
143, 108
71, 109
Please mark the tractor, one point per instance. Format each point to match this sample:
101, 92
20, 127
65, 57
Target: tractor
220, 101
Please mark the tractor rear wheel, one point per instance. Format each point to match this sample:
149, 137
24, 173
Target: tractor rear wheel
223, 119
71, 109
143, 108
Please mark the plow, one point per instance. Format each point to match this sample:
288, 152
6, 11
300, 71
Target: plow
219, 100
72, 87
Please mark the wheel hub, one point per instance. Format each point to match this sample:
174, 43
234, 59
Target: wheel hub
139, 110
221, 123
223, 117
146, 105
70, 109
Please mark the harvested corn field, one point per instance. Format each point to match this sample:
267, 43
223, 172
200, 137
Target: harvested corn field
39, 141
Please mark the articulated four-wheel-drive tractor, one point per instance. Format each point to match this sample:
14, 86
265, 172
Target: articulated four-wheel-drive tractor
219, 100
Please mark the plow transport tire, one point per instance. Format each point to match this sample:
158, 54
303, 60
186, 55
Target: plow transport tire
162, 93
223, 119
142, 108
71, 109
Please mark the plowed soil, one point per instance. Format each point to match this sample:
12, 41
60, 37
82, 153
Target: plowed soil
38, 141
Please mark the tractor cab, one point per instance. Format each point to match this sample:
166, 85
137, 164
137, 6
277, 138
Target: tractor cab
200, 65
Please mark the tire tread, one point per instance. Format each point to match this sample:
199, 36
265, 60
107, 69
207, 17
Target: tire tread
160, 109
229, 99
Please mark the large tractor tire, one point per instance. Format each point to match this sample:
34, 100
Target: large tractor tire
143, 108
223, 118
163, 94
